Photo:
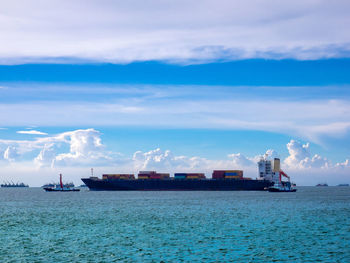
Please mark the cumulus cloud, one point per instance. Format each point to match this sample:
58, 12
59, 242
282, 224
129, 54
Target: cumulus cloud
124, 31
10, 154
83, 148
272, 154
165, 160
300, 157
32, 132
46, 156
239, 160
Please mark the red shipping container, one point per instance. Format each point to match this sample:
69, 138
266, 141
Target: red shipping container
218, 174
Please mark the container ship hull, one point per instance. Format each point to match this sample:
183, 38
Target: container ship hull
175, 185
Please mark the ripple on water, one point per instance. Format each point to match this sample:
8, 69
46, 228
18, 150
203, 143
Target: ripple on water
308, 226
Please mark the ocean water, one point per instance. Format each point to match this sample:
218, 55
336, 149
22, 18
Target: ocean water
311, 225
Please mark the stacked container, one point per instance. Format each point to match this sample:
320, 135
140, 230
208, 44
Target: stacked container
218, 174
234, 174
118, 176
189, 176
227, 174
180, 175
152, 175
145, 174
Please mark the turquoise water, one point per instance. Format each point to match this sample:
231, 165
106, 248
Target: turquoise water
311, 225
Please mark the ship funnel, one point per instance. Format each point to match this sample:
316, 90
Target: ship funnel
276, 165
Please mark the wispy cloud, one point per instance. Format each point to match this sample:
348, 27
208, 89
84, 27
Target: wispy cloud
308, 119
32, 132
184, 31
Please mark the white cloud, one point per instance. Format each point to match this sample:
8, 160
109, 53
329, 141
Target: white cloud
272, 154
239, 160
299, 157
85, 148
123, 31
46, 156
10, 154
312, 120
32, 132
345, 164
82, 149
165, 160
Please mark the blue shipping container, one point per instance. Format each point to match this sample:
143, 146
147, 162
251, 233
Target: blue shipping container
231, 174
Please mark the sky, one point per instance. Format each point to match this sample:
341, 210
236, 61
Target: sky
123, 86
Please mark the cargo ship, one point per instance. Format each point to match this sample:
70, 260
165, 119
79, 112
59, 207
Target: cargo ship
10, 185
222, 180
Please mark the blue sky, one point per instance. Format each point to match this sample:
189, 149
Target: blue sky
210, 89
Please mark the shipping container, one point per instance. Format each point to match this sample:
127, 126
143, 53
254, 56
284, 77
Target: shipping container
231, 174
180, 174
147, 172
164, 175
200, 175
116, 176
147, 175
218, 174
180, 177
233, 177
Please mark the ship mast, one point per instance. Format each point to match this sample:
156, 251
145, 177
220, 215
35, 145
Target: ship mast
61, 181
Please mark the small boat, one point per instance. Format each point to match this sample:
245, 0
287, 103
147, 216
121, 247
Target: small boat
61, 188
69, 185
322, 184
343, 184
282, 186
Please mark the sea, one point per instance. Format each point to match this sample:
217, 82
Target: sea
311, 225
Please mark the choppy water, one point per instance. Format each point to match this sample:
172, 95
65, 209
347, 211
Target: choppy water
310, 225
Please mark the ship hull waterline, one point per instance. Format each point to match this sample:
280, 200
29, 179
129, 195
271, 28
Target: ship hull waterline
176, 185
61, 190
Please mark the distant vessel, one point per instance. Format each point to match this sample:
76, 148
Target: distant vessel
14, 185
343, 184
60, 188
68, 185
322, 184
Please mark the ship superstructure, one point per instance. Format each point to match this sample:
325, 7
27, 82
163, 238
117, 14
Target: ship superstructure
271, 171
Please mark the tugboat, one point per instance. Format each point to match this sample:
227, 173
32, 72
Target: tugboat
61, 188
282, 186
